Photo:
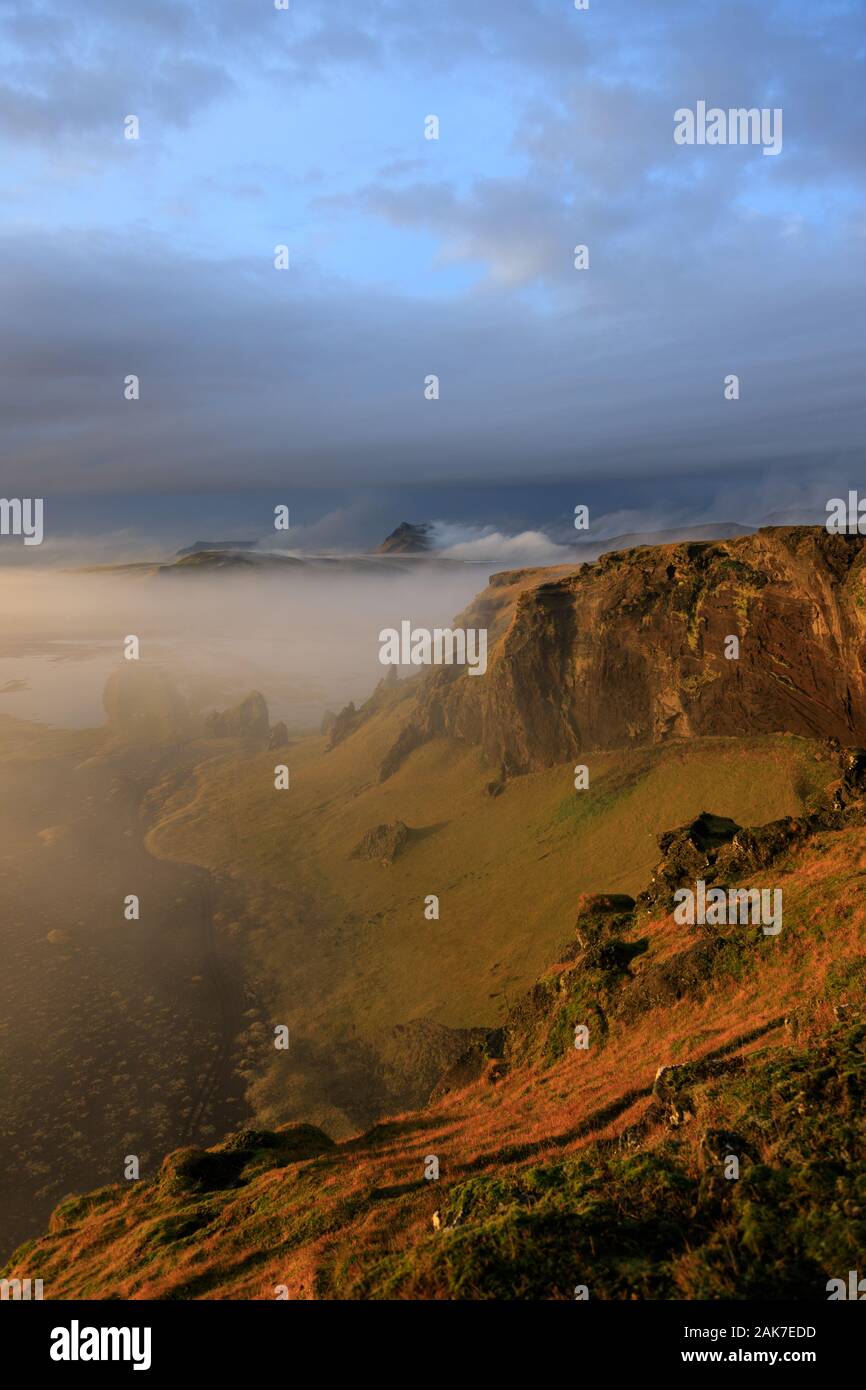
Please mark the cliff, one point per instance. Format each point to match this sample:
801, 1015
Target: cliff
632, 650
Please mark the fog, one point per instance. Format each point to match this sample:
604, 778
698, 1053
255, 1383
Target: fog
307, 638
121, 1037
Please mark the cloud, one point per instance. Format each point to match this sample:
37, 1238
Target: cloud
461, 542
73, 68
557, 132
251, 376
71, 74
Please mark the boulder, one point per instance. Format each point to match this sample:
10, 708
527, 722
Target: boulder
689, 853
295, 1142
198, 1170
599, 914
382, 843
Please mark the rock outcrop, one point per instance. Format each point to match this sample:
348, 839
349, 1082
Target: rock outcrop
383, 843
632, 650
249, 720
717, 850
197, 1171
389, 691
688, 853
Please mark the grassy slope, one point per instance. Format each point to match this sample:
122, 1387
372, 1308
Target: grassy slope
347, 948
535, 1195
342, 946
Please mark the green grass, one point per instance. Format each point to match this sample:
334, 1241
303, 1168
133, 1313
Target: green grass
660, 1224
344, 945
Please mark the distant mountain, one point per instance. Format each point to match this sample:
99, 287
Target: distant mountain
199, 546
408, 545
407, 539
233, 558
797, 516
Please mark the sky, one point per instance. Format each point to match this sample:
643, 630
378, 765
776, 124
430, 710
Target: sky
409, 256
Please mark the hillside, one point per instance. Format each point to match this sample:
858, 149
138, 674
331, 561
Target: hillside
339, 945
561, 1167
451, 1035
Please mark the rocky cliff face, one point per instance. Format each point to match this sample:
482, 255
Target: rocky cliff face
632, 649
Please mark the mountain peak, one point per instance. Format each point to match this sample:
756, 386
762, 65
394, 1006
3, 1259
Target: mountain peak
408, 538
